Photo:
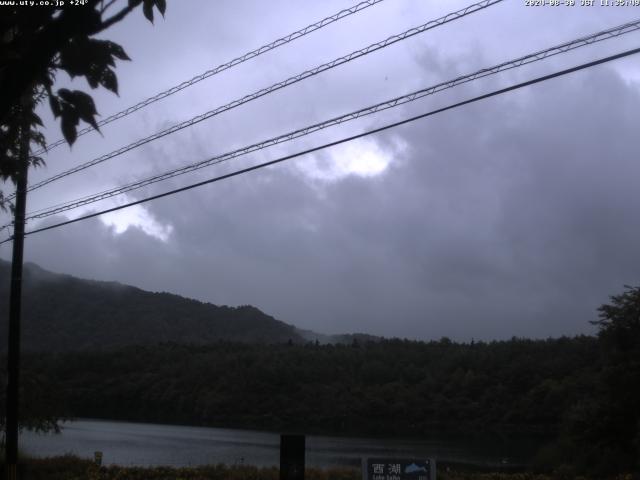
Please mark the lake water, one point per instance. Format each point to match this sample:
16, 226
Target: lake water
127, 443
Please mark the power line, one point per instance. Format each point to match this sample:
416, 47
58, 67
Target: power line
394, 102
225, 66
277, 86
343, 140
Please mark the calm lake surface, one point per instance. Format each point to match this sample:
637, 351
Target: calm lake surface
141, 444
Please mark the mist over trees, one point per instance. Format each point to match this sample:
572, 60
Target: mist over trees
389, 388
76, 314
576, 397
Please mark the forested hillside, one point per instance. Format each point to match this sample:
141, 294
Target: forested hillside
392, 387
64, 313
570, 393
581, 394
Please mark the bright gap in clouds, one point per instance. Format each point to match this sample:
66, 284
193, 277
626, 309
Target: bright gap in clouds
137, 216
363, 158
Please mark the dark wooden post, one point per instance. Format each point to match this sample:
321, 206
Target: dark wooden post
292, 449
15, 304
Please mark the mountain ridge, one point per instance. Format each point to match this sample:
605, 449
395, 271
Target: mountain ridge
62, 312
68, 313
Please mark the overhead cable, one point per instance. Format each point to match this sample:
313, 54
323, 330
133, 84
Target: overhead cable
341, 141
394, 102
225, 66
277, 86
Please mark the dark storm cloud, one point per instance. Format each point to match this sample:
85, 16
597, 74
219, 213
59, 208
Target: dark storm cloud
514, 216
487, 228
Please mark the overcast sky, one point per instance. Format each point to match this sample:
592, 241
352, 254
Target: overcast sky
517, 215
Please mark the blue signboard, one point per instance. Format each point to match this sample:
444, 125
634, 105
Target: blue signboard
398, 469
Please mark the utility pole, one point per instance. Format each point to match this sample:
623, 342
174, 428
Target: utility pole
15, 302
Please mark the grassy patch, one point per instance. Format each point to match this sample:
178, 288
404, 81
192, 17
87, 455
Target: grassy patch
73, 468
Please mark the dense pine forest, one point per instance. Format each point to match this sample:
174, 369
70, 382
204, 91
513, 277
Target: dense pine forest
110, 351
392, 387
63, 313
552, 390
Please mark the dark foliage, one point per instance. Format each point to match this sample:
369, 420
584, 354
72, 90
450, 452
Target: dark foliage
580, 394
70, 467
605, 427
62, 313
386, 388
36, 44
